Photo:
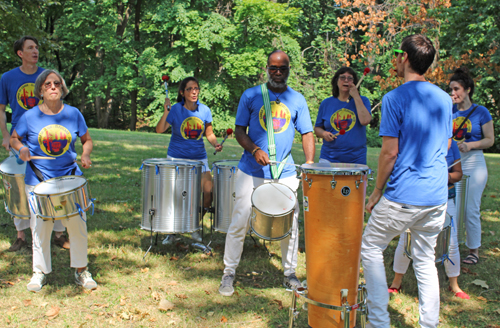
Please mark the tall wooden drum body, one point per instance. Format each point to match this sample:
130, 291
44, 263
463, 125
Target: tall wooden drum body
334, 204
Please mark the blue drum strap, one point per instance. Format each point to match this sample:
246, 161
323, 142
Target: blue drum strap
80, 211
31, 200
142, 165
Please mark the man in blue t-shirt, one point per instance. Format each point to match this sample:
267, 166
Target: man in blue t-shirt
289, 112
17, 89
416, 131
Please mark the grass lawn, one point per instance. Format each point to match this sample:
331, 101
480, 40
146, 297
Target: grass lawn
130, 290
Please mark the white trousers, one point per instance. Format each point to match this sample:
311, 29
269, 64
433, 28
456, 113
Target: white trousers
474, 165
401, 262
240, 223
41, 231
25, 224
388, 220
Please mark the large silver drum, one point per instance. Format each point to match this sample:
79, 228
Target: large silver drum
16, 202
171, 195
462, 192
224, 177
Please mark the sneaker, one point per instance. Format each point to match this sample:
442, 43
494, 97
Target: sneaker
85, 280
37, 281
292, 281
169, 240
226, 285
18, 244
197, 236
62, 241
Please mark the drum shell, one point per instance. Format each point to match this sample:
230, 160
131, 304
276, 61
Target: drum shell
462, 193
62, 205
174, 194
333, 226
16, 201
224, 179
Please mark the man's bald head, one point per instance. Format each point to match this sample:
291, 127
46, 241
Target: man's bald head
279, 55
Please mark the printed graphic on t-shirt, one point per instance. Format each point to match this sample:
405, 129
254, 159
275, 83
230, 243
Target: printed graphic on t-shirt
54, 139
343, 120
192, 128
465, 130
26, 96
281, 117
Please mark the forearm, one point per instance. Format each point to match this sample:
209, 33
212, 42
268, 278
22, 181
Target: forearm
318, 131
385, 166
481, 144
243, 139
87, 147
15, 143
162, 125
308, 146
363, 113
212, 139
454, 177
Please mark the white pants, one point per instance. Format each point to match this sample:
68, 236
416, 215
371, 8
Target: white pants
25, 224
474, 165
401, 262
41, 231
388, 220
240, 223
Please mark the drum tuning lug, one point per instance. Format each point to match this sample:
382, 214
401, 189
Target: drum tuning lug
333, 183
358, 182
309, 181
371, 177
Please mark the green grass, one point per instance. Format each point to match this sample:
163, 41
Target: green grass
130, 289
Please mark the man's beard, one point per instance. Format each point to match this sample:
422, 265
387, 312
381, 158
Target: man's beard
274, 84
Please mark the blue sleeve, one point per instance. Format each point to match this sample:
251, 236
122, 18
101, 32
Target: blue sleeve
243, 112
390, 124
450, 123
171, 115
319, 119
485, 116
455, 151
82, 126
22, 126
208, 116
4, 93
303, 122
367, 104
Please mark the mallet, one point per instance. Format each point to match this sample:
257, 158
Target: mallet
228, 132
165, 79
366, 71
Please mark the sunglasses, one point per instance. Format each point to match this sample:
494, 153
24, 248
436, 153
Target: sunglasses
48, 85
193, 89
275, 69
397, 52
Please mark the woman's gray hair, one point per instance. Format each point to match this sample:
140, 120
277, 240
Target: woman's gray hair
40, 80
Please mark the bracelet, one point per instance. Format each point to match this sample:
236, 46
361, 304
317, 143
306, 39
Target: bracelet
381, 189
255, 150
21, 148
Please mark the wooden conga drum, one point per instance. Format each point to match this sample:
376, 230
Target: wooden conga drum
334, 204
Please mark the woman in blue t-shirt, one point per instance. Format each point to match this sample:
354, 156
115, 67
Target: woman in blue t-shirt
51, 130
342, 121
473, 136
190, 119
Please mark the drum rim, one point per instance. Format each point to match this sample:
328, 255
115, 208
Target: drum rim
12, 174
64, 192
226, 160
336, 172
167, 162
293, 192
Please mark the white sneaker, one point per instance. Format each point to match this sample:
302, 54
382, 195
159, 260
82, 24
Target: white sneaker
197, 236
85, 280
226, 285
37, 281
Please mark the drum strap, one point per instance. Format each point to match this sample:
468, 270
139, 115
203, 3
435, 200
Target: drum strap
465, 120
275, 170
37, 172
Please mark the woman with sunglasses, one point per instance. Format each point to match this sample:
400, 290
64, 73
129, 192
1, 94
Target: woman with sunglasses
472, 137
342, 121
189, 119
51, 130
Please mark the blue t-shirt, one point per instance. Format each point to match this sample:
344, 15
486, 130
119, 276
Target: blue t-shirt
17, 89
453, 154
418, 114
335, 116
55, 136
472, 129
290, 114
188, 128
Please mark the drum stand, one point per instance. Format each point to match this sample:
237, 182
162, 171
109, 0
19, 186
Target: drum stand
345, 309
152, 212
205, 248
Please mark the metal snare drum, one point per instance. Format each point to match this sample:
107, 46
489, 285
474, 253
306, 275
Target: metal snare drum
462, 194
273, 207
171, 195
16, 201
442, 243
62, 197
224, 178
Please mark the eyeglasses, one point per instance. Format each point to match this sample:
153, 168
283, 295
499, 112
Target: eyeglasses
397, 52
193, 89
346, 78
48, 85
275, 69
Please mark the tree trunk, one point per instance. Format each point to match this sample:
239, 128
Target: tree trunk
133, 93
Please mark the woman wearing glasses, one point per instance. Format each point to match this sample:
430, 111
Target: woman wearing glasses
189, 119
51, 129
342, 121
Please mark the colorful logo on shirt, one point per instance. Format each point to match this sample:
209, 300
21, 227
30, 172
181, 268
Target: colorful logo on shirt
192, 128
343, 120
465, 130
54, 139
281, 117
26, 96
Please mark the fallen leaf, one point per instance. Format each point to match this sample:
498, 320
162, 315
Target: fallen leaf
280, 304
481, 283
398, 301
181, 296
156, 296
166, 305
113, 257
482, 298
123, 302
211, 314
497, 311
44, 304
53, 312
88, 317
157, 276
27, 302
174, 258
144, 270
152, 319
8, 283
223, 319
207, 292
492, 233
187, 269
173, 283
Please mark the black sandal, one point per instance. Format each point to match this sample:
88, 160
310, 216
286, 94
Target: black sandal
471, 258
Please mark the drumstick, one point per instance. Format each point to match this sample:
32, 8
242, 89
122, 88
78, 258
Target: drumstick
165, 79
41, 157
452, 165
366, 71
341, 132
276, 162
228, 132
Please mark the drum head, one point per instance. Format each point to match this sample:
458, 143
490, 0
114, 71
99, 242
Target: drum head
59, 185
336, 169
226, 163
273, 198
10, 166
154, 161
181, 162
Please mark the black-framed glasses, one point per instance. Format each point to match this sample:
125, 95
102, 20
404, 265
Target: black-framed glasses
48, 85
397, 52
346, 78
193, 89
275, 69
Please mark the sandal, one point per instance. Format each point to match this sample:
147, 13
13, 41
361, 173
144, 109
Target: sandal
393, 290
471, 259
462, 295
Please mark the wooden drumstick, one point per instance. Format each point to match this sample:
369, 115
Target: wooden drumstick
276, 162
452, 165
41, 157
